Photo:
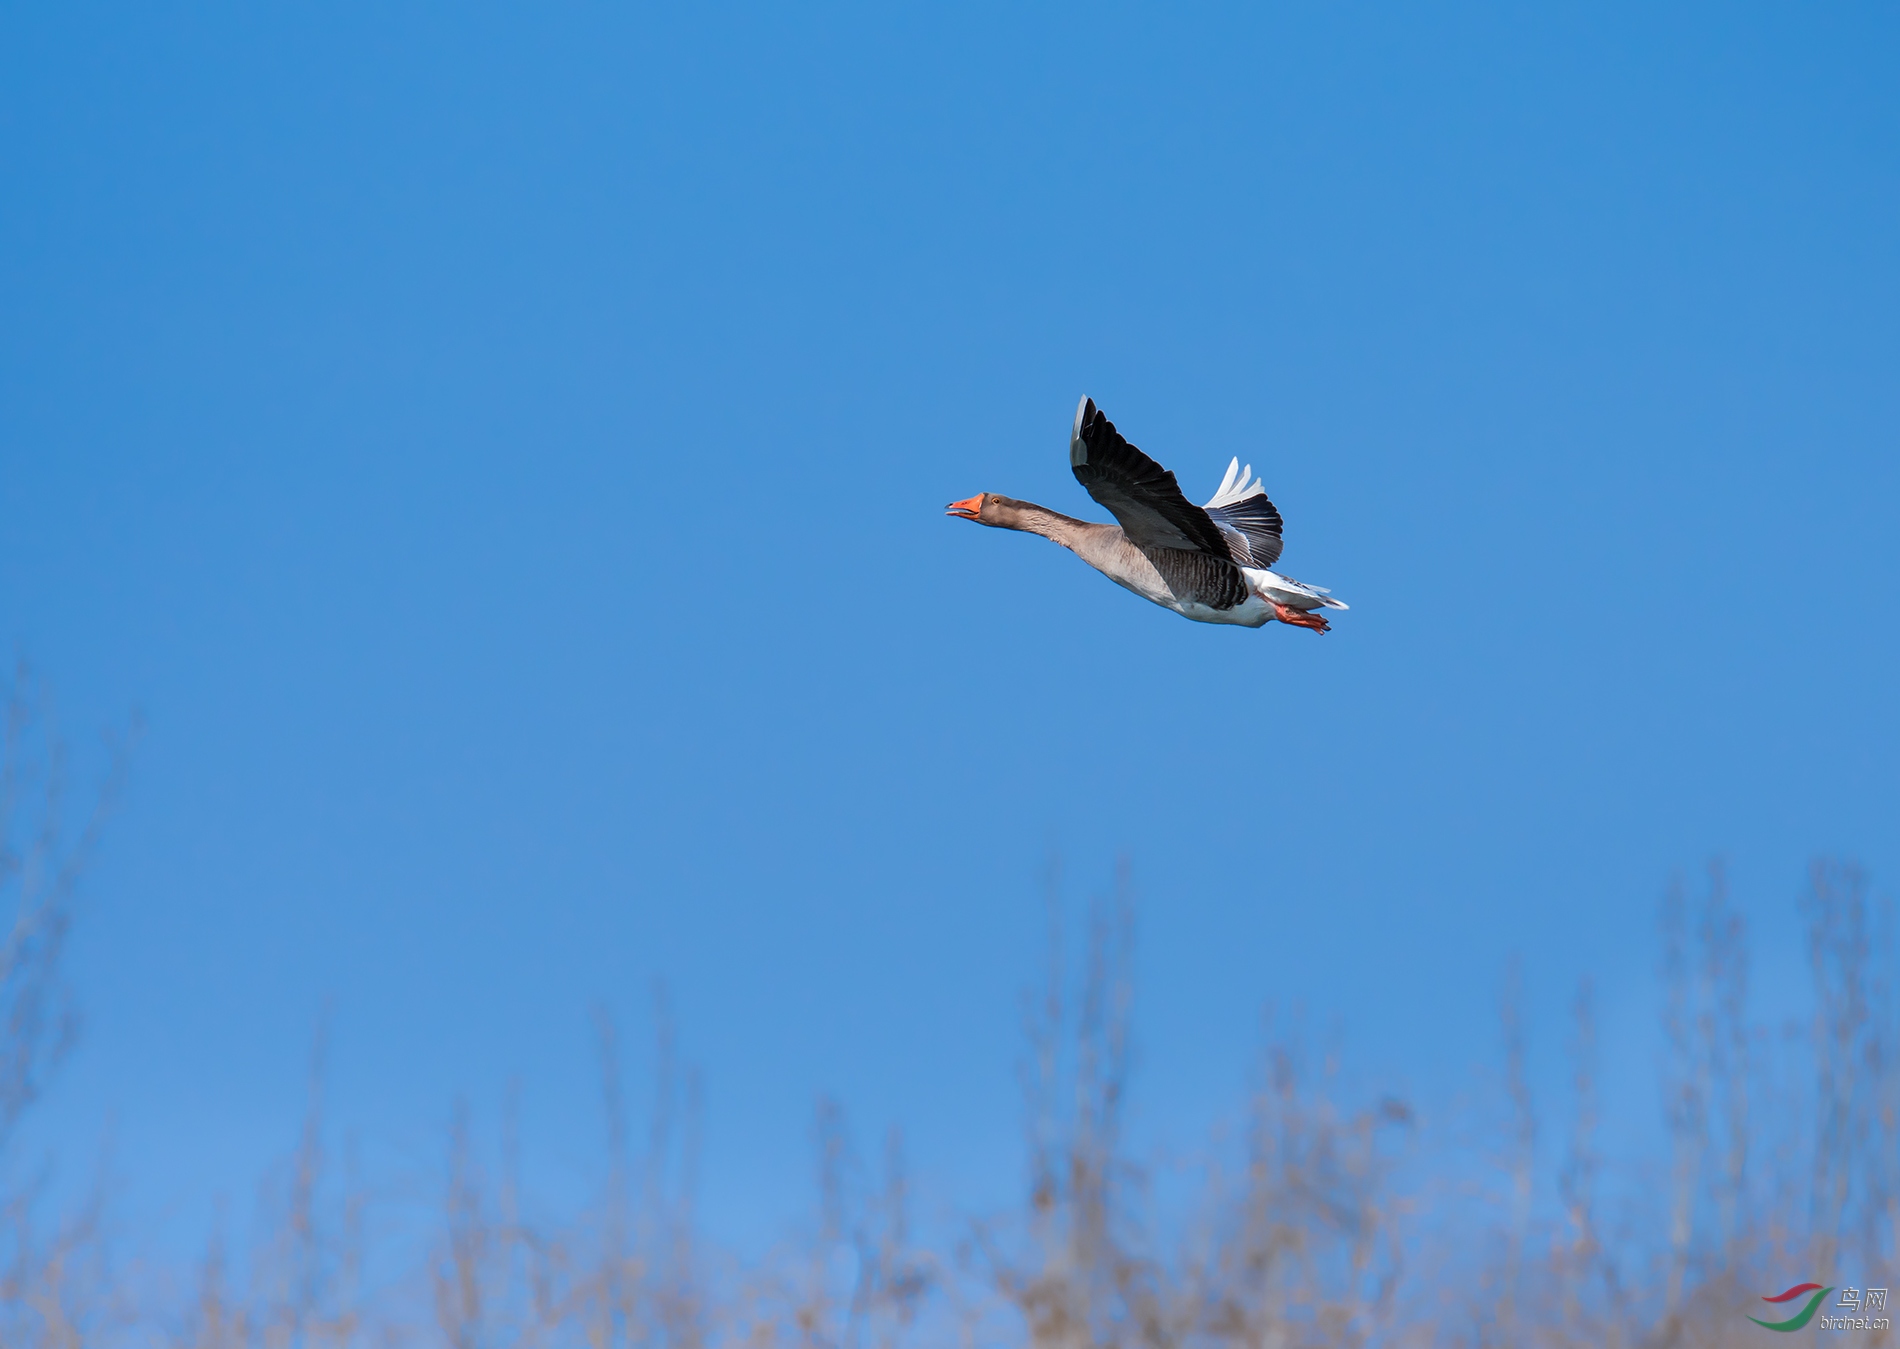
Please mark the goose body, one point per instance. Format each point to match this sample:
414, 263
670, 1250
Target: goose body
1210, 563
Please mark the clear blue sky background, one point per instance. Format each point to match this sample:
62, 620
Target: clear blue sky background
502, 451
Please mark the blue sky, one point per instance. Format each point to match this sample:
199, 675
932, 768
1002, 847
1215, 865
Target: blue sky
501, 450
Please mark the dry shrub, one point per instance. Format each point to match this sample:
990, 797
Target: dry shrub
1322, 1222
57, 1286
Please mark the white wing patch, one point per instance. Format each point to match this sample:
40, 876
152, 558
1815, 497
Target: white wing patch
1238, 485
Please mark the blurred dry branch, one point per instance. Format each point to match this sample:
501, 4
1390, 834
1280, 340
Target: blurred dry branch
1300, 1243
1319, 1221
42, 856
1075, 1275
57, 1285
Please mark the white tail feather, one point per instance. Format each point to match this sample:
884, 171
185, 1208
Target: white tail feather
1272, 585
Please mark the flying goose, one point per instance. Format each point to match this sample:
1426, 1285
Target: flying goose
1208, 563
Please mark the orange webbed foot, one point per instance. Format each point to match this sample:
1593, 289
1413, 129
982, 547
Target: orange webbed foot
1300, 618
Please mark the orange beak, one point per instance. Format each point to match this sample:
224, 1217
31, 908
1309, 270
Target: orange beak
967, 509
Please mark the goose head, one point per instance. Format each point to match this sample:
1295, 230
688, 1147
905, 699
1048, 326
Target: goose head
987, 508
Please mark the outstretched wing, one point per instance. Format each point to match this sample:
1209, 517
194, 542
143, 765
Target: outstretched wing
1180, 538
1139, 492
1247, 518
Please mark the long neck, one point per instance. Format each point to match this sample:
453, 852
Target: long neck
1071, 533
1103, 547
